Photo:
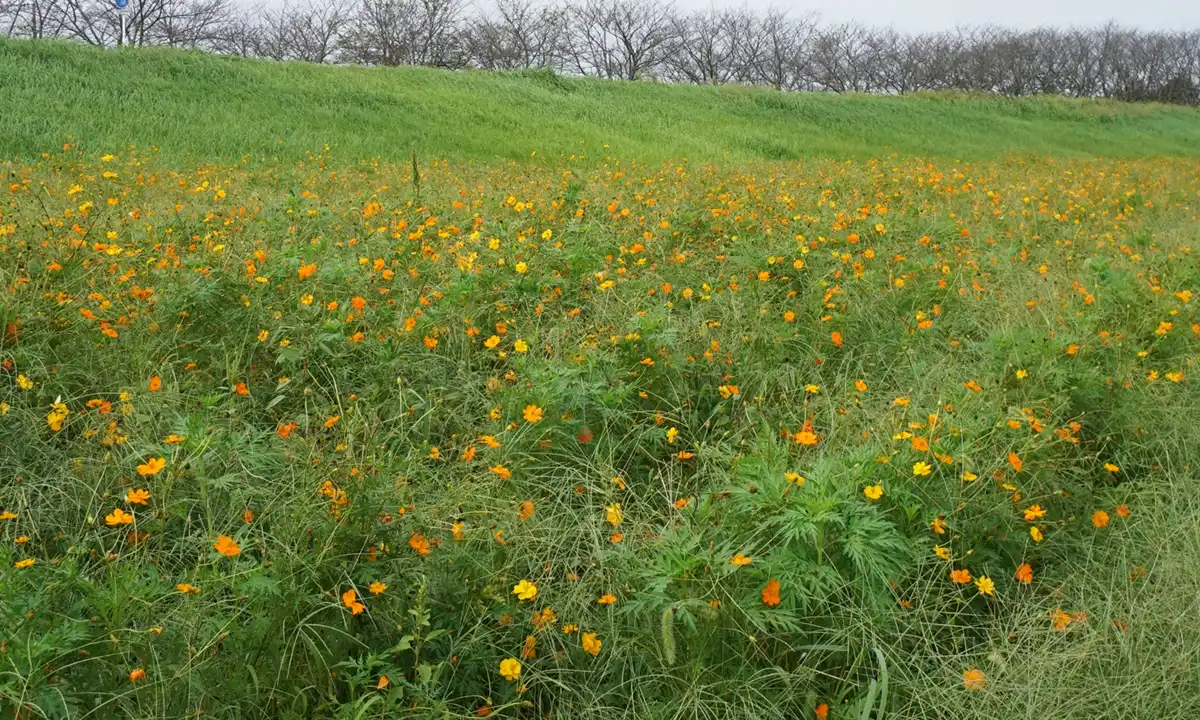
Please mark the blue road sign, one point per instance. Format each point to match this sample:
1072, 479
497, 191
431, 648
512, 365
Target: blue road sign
120, 4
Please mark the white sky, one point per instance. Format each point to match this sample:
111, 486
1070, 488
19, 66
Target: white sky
918, 15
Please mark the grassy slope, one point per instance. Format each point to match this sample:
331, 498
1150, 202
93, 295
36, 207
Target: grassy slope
206, 107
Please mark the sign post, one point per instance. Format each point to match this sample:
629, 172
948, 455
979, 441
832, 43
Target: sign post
122, 7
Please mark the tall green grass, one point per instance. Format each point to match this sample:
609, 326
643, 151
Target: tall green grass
205, 107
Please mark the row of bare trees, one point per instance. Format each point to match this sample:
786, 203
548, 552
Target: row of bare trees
184, 23
648, 40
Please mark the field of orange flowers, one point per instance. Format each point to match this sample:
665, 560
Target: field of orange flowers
591, 439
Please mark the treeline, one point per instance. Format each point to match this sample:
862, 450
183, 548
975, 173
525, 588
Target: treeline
649, 40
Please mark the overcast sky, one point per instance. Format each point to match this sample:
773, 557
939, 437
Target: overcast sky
915, 15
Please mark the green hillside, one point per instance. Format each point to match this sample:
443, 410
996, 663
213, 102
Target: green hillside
201, 106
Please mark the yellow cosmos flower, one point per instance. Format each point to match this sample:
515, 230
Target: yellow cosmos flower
525, 590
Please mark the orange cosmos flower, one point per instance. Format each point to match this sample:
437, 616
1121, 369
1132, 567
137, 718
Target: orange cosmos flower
962, 577
155, 384
1015, 462
836, 337
419, 543
502, 471
770, 594
741, 560
806, 435
591, 643
136, 674
974, 680
532, 413
1100, 518
226, 546
137, 497
606, 599
118, 517
151, 467
1024, 574
525, 511
350, 600
529, 651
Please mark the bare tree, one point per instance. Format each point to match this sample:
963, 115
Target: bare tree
516, 34
34, 19
841, 58
307, 32
239, 35
620, 39
405, 32
188, 23
648, 39
780, 51
713, 47
178, 23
